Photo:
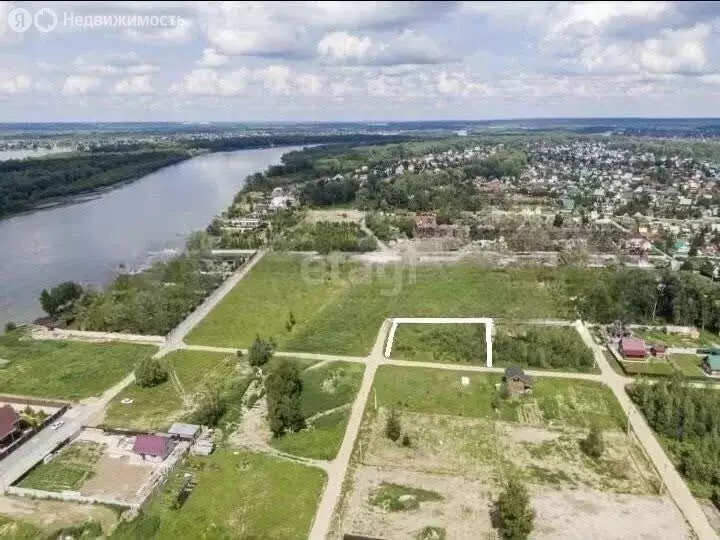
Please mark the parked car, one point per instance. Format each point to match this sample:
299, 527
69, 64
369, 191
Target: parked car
57, 425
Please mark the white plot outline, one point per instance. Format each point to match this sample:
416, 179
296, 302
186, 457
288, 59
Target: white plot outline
487, 321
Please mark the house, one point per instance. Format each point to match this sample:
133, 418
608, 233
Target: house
156, 447
9, 425
516, 381
638, 244
711, 364
631, 347
246, 224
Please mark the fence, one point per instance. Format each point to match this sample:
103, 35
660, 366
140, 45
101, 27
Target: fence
17, 443
72, 496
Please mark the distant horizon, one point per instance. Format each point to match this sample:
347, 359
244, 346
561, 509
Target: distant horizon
387, 121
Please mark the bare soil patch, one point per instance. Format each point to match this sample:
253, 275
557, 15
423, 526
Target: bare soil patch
118, 478
582, 514
335, 216
464, 511
55, 514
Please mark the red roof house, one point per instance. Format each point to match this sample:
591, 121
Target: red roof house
631, 347
9, 420
153, 446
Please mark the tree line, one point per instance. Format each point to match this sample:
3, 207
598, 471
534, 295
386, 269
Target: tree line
25, 184
689, 418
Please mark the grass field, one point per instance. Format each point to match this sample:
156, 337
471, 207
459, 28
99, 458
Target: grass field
20, 530
539, 347
65, 370
158, 407
330, 386
321, 440
68, 470
570, 402
677, 340
650, 368
238, 495
688, 364
340, 309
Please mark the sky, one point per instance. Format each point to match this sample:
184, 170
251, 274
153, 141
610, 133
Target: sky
357, 61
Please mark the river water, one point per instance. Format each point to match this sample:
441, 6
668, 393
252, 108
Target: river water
130, 225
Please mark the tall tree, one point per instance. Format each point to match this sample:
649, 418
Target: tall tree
284, 391
261, 351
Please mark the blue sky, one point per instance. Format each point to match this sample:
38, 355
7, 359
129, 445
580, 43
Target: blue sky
362, 61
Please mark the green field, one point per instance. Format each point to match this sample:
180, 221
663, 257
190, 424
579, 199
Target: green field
339, 309
330, 386
68, 470
652, 367
20, 530
652, 336
64, 369
321, 440
565, 401
156, 408
238, 495
538, 347
688, 364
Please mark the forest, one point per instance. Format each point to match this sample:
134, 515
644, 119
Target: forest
25, 184
688, 421
640, 296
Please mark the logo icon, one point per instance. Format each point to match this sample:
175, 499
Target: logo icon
20, 19
45, 20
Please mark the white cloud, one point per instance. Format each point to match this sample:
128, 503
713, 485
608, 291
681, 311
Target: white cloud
408, 47
209, 82
211, 58
133, 85
276, 78
309, 84
342, 47
14, 83
81, 84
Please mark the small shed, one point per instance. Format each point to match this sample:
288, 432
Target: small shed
186, 432
711, 364
153, 446
516, 381
631, 347
658, 350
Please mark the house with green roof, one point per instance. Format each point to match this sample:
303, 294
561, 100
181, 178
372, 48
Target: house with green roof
711, 364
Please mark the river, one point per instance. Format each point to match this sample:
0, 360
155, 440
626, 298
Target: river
132, 225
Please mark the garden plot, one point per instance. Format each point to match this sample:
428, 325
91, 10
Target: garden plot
462, 444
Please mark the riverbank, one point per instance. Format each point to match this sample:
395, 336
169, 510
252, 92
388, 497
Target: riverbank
126, 225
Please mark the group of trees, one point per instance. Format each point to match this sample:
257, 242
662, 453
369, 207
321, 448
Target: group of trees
326, 237
512, 514
639, 296
389, 226
689, 418
543, 347
152, 302
61, 299
284, 392
27, 183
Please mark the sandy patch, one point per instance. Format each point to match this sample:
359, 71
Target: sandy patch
585, 514
464, 511
117, 478
47, 513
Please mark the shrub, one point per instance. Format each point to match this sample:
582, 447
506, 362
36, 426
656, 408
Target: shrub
512, 514
150, 373
392, 427
284, 390
260, 351
593, 444
10, 327
406, 442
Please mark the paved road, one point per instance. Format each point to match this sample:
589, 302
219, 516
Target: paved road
175, 338
44, 442
674, 483
339, 466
